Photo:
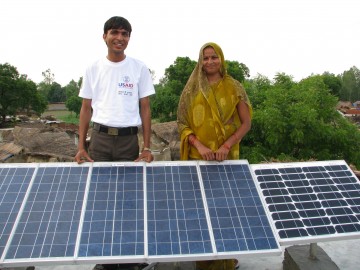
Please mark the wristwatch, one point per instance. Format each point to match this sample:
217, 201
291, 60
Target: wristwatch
147, 149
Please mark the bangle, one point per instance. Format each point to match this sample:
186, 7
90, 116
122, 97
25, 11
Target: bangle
146, 149
226, 146
192, 139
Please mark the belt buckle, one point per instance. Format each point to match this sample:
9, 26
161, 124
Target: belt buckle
113, 131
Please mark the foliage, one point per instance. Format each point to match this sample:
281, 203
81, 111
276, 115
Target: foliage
73, 101
333, 82
30, 99
238, 71
350, 90
164, 102
18, 93
56, 93
9, 92
300, 121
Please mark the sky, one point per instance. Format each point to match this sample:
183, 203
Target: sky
297, 37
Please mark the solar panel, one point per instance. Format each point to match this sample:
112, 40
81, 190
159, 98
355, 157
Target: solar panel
114, 218
14, 182
65, 213
238, 219
177, 223
311, 201
48, 225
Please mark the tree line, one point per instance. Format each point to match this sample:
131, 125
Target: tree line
292, 121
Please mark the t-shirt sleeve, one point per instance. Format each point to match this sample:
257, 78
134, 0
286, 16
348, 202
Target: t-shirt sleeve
86, 90
146, 86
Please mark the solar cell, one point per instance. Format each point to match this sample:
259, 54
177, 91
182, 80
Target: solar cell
177, 222
114, 217
14, 182
320, 200
132, 212
49, 221
238, 219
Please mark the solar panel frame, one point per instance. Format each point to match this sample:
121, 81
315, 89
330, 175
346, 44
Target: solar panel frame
242, 197
32, 198
11, 207
110, 244
309, 216
76, 256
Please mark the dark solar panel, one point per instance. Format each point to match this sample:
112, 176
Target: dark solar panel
320, 199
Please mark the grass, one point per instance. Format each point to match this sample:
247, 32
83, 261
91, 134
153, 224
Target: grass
63, 115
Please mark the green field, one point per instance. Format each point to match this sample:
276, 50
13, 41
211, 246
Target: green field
60, 112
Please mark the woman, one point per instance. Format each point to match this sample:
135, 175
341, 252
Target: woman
214, 112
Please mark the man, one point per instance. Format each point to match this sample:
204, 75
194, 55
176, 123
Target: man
115, 92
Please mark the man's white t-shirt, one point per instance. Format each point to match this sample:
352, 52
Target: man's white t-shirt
115, 90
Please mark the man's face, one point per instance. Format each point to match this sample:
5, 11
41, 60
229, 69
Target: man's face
117, 40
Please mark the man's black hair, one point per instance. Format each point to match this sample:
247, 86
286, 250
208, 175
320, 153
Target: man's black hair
117, 22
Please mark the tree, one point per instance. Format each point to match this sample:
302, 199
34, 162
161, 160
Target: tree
333, 83
179, 71
9, 92
73, 101
49, 77
350, 90
164, 103
238, 71
56, 93
18, 93
30, 100
299, 121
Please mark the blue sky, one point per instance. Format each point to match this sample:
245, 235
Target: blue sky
298, 37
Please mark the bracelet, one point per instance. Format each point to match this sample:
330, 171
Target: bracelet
226, 146
146, 149
192, 139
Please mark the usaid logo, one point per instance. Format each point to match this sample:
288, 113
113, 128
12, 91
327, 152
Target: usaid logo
126, 83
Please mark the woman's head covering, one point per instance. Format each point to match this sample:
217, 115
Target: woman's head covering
198, 79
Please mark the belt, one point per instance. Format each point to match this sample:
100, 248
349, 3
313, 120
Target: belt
116, 131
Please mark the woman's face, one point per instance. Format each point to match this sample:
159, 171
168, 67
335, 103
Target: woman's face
211, 61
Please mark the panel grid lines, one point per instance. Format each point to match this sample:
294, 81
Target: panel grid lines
49, 221
311, 200
14, 183
238, 218
176, 217
114, 217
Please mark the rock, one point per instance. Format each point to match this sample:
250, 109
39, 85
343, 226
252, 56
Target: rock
44, 141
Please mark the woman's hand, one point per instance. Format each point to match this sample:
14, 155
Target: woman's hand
222, 153
206, 153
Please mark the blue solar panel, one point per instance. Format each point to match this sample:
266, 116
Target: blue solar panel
114, 216
311, 200
14, 182
177, 222
238, 219
131, 212
49, 222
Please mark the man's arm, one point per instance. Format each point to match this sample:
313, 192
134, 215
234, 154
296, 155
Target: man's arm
84, 121
145, 115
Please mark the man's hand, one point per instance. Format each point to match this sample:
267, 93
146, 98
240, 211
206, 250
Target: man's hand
82, 156
145, 156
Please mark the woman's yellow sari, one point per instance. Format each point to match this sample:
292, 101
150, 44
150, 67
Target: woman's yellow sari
209, 111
